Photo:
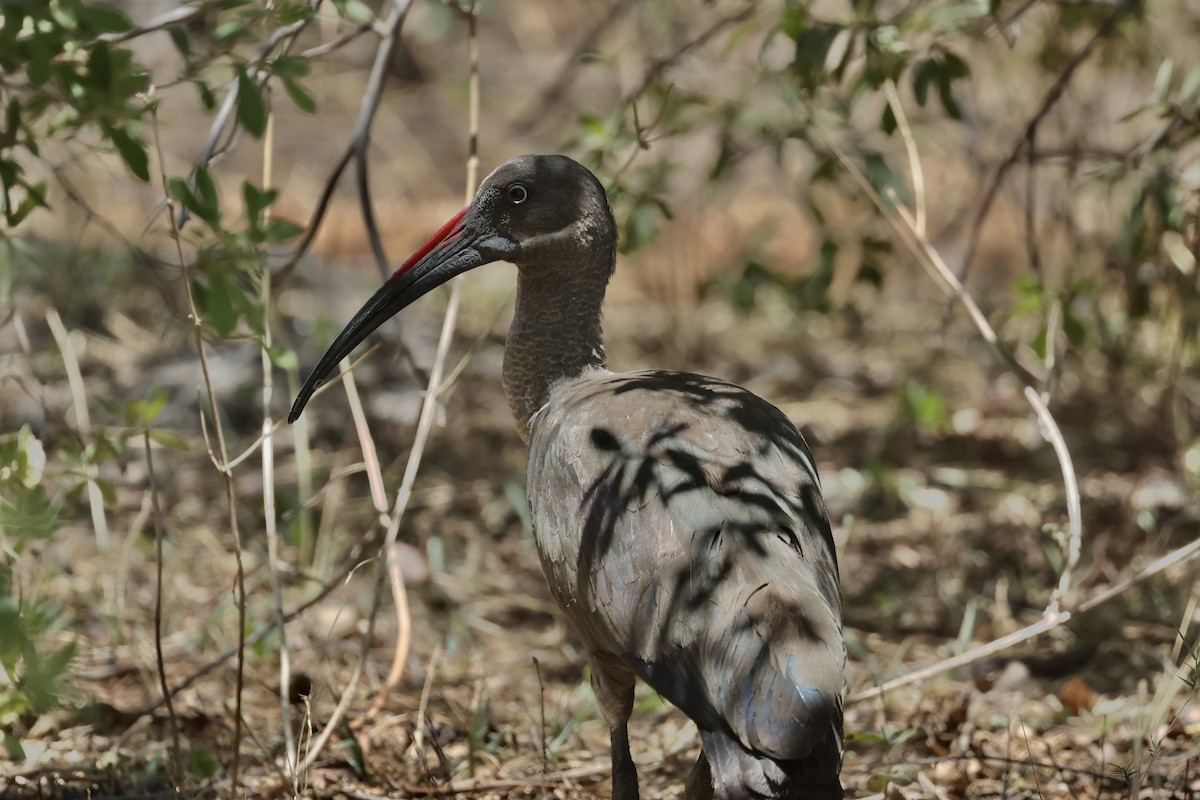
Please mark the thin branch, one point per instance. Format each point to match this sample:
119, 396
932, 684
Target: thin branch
358, 141
215, 662
1027, 138
661, 65
270, 517
361, 137
1046, 623
230, 488
282, 421
914, 156
172, 720
597, 770
285, 34
177, 16
551, 96
1179, 555
325, 48
905, 227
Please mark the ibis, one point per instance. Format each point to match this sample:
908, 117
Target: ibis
678, 518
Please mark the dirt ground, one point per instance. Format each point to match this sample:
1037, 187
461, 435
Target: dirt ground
945, 499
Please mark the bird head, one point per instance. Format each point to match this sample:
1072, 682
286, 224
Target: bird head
539, 212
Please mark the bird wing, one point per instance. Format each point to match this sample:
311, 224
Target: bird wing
681, 528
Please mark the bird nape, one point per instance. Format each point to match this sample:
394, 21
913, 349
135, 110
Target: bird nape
678, 518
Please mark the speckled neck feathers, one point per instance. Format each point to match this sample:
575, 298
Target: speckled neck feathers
556, 330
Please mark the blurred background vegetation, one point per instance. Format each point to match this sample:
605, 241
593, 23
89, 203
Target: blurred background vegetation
1051, 152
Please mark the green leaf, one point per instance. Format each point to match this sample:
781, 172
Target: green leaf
283, 357
280, 230
99, 65
220, 311
1162, 81
181, 192
1039, 343
355, 10
206, 202
207, 99
201, 764
888, 123
923, 75
251, 110
1073, 327
300, 96
228, 30
946, 94
291, 67
179, 38
1190, 86
12, 635
257, 200
97, 18
41, 60
169, 439
13, 745
132, 152
925, 406
107, 490
30, 515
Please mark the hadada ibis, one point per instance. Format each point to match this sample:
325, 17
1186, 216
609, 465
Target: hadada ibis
678, 518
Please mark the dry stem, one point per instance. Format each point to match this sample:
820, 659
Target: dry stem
83, 424
230, 489
172, 720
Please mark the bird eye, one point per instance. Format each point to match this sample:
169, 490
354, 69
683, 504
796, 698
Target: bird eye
518, 193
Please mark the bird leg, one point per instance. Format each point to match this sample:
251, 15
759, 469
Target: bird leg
699, 783
613, 684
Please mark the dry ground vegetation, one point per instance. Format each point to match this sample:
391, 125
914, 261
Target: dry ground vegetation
947, 502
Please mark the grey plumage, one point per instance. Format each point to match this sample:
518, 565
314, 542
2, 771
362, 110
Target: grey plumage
681, 530
678, 518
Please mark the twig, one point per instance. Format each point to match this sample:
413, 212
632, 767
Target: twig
424, 424
661, 65
1016, 762
597, 770
362, 133
327, 589
914, 156
1048, 102
210, 150
1052, 434
230, 488
454, 374
537, 669
549, 99
358, 141
177, 16
325, 48
423, 704
282, 422
395, 574
1031, 240
1179, 555
905, 227
172, 720
268, 472
969, 657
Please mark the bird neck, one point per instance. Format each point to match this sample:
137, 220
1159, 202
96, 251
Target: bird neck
555, 334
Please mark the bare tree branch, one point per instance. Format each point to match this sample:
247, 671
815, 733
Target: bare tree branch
1027, 138
357, 147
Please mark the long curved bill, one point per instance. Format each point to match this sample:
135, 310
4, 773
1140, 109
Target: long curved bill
454, 249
